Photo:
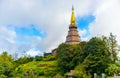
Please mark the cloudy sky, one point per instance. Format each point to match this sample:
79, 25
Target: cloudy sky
37, 26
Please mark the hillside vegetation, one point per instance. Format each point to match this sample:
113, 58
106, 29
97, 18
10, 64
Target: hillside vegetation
98, 55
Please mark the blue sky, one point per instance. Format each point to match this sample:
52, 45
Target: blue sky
37, 26
84, 22
31, 30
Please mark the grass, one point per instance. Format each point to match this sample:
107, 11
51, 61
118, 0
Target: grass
41, 68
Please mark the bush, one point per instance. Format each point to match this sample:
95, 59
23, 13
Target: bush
68, 56
80, 72
3, 76
38, 58
49, 72
39, 72
49, 58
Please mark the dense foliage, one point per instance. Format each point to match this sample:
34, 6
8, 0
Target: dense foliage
28, 67
98, 55
68, 56
6, 64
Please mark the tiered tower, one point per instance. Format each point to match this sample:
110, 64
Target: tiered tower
73, 36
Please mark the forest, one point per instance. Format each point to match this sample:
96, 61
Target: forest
98, 55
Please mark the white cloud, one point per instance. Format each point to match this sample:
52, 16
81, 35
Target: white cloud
54, 18
11, 42
83, 33
33, 52
6, 38
7, 34
107, 19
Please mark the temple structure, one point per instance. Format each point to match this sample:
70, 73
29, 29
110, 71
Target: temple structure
73, 36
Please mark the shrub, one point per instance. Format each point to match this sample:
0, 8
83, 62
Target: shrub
49, 58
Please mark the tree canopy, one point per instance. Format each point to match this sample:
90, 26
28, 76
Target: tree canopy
98, 56
68, 56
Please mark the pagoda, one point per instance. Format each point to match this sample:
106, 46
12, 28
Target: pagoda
73, 36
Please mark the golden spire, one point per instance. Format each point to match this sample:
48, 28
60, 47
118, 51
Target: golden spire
73, 19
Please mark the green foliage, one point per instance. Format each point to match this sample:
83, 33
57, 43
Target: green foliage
49, 72
39, 68
98, 56
94, 55
68, 56
2, 69
80, 72
49, 58
38, 58
3, 76
6, 64
5, 57
39, 72
113, 69
34, 67
8, 67
113, 47
24, 60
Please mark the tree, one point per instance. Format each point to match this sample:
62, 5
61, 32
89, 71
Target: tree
98, 56
23, 60
69, 56
113, 47
113, 69
5, 57
2, 69
80, 72
6, 64
38, 58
